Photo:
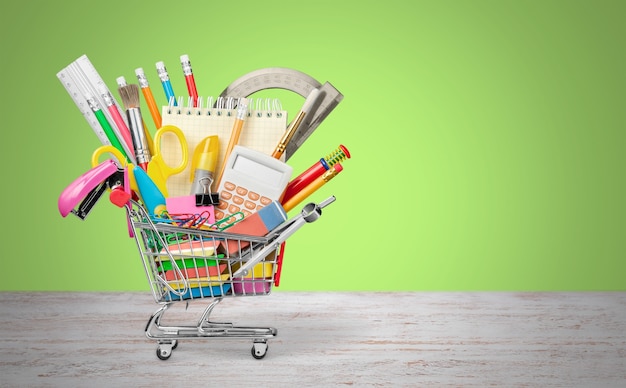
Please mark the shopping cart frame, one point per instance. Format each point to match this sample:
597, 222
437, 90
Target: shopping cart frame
238, 277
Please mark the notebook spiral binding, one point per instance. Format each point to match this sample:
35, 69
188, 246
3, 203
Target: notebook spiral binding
225, 106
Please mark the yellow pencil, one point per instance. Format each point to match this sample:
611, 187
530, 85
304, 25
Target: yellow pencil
242, 112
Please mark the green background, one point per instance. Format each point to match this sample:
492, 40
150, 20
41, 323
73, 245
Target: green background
487, 137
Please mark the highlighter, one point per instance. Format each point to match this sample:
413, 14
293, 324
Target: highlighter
203, 165
152, 198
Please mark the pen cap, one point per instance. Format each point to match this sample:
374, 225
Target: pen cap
205, 155
152, 198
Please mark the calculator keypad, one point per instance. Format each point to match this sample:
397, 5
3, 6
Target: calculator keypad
235, 199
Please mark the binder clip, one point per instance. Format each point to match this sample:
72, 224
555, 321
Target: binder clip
207, 199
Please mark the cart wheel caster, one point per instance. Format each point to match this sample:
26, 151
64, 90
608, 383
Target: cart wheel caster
164, 350
259, 349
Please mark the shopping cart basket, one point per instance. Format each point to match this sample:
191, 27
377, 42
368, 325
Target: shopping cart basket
184, 264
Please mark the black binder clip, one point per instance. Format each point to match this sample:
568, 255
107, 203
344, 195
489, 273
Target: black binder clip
207, 199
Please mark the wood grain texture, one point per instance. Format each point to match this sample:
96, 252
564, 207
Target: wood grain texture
474, 339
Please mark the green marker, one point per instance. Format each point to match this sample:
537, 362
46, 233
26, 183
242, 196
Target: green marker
104, 123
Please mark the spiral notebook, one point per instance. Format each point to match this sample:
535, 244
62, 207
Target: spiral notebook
263, 128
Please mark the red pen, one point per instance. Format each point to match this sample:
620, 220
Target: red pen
315, 171
191, 83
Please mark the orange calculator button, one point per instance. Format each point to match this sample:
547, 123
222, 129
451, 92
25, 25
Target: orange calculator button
241, 191
254, 196
265, 201
230, 186
250, 205
237, 199
219, 215
233, 209
245, 213
223, 205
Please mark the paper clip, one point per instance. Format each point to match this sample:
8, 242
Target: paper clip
237, 217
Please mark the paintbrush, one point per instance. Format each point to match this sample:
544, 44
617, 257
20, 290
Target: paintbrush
130, 99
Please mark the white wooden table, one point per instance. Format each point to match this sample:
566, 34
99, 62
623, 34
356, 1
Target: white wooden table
324, 339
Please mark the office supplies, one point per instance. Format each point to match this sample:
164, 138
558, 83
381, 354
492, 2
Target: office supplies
311, 212
195, 270
262, 129
158, 170
121, 81
310, 188
203, 165
316, 170
194, 293
80, 78
242, 112
153, 199
108, 130
295, 124
148, 96
130, 99
187, 205
258, 223
87, 189
119, 122
193, 267
166, 83
295, 81
189, 79
251, 181
279, 263
95, 160
257, 281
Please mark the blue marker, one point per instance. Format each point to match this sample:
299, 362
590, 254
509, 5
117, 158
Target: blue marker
165, 81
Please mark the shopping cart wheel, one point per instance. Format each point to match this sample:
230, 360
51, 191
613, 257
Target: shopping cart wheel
164, 350
259, 349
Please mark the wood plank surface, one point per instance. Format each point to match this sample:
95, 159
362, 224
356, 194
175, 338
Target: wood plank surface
472, 339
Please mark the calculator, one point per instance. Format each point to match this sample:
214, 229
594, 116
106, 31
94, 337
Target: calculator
251, 180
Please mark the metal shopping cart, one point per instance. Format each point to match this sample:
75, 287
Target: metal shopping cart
184, 264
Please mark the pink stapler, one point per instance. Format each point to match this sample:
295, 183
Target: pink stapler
87, 189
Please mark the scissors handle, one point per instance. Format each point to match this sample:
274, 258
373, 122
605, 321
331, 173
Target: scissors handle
183, 147
98, 152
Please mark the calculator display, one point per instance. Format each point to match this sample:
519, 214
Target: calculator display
256, 170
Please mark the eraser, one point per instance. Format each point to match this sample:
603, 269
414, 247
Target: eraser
259, 223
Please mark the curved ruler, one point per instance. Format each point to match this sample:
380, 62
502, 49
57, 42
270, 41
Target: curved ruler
297, 82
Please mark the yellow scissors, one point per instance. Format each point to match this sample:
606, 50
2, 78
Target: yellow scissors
158, 169
95, 157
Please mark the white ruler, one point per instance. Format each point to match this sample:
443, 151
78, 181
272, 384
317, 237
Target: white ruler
81, 79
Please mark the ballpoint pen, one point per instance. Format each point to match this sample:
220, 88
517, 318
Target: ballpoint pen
295, 124
149, 97
309, 189
316, 170
189, 79
165, 81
